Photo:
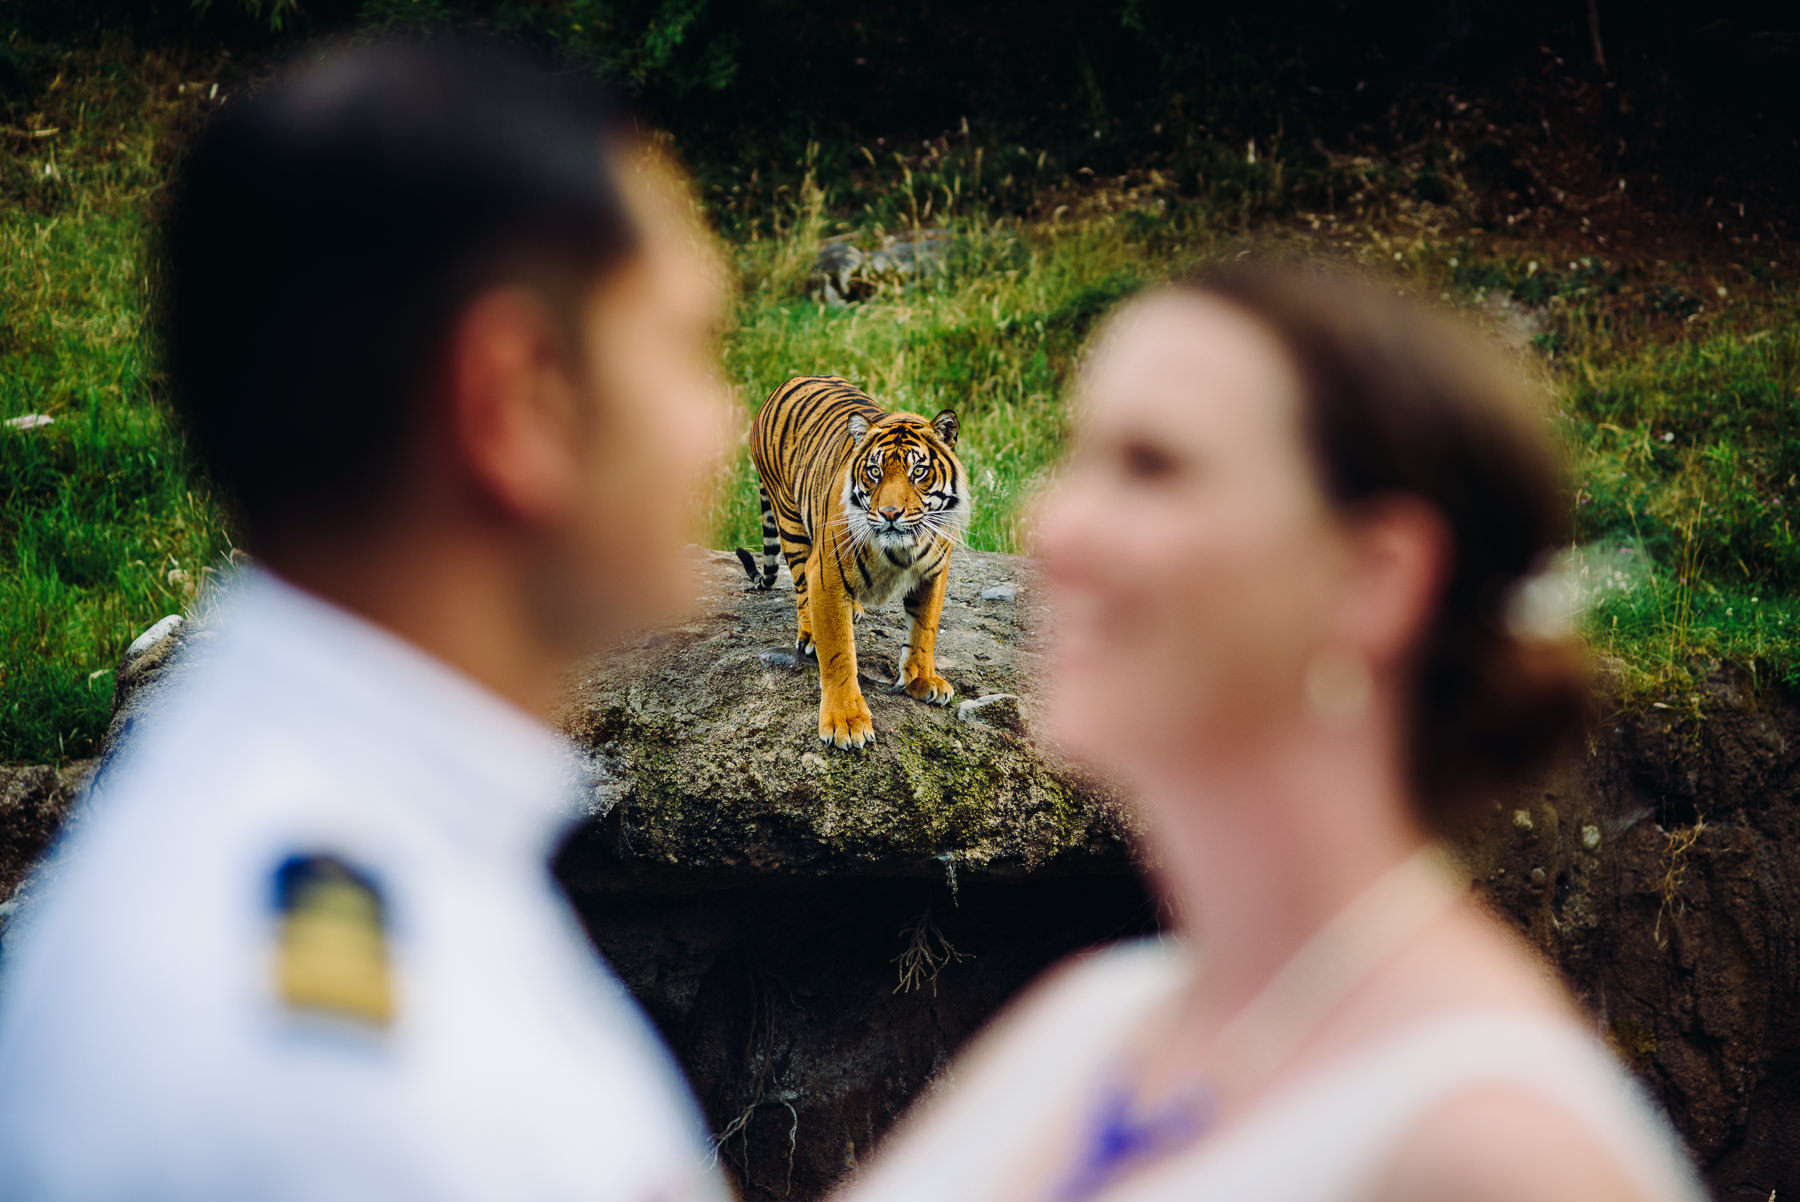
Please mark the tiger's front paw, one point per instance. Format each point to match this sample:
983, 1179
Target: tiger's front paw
845, 721
926, 686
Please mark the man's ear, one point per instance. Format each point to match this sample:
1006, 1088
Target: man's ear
513, 409
944, 425
859, 426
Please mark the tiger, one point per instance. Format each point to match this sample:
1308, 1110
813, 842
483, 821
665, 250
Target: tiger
865, 505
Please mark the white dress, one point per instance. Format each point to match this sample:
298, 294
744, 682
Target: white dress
1330, 1137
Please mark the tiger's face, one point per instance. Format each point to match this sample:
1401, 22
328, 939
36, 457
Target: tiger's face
905, 487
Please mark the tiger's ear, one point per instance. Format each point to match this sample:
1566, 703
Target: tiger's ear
945, 427
859, 426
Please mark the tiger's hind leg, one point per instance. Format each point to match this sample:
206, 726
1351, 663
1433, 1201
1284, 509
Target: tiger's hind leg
918, 662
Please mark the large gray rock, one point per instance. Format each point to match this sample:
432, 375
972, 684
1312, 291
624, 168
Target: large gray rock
845, 272
705, 737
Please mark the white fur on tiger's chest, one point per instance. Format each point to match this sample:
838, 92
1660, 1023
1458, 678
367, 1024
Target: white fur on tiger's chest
888, 578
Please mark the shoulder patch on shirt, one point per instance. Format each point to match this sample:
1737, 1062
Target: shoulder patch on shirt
331, 954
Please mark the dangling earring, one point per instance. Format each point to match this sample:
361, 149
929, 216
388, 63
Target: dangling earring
1338, 685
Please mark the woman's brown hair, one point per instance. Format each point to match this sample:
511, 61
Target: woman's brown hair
1400, 400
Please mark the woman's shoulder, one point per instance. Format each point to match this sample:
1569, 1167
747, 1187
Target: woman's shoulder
1506, 1101
1090, 998
1502, 1142
975, 1119
1114, 978
1497, 1042
1077, 1010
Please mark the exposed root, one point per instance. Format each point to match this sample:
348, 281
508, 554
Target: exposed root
1674, 872
736, 1127
793, 1145
925, 955
758, 1067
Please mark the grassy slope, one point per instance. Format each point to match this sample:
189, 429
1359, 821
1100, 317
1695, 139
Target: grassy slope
1674, 386
102, 529
1675, 401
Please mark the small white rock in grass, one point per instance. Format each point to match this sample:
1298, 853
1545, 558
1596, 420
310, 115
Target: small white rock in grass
28, 421
1001, 592
152, 636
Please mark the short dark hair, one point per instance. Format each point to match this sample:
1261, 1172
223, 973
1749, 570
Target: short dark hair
1401, 400
326, 228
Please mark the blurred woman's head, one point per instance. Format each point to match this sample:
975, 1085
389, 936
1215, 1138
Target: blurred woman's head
1302, 508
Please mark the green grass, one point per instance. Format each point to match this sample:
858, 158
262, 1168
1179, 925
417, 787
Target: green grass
1676, 388
102, 527
1676, 403
993, 337
1688, 454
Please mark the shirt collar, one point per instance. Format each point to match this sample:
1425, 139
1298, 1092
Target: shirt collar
517, 772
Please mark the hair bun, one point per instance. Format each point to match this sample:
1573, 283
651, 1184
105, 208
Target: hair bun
1493, 709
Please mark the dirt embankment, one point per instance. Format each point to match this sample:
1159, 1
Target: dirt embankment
816, 932
1662, 876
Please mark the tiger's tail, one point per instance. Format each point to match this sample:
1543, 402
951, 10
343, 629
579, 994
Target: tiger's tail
771, 549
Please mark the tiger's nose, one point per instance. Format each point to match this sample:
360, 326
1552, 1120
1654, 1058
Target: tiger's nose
889, 513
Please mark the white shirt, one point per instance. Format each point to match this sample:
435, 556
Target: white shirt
1329, 1137
151, 1049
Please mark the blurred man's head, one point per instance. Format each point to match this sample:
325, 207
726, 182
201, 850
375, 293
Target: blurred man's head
424, 291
